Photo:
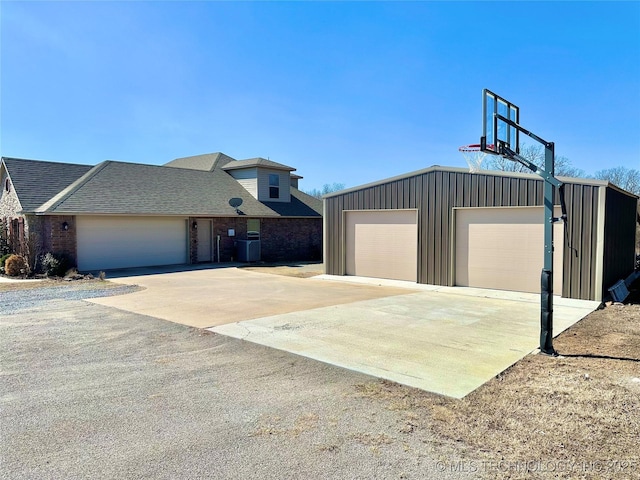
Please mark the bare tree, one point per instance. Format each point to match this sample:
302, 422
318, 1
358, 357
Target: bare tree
326, 188
625, 178
535, 154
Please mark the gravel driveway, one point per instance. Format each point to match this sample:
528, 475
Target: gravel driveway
88, 391
14, 301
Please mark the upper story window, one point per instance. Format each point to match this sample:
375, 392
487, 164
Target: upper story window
7, 185
274, 185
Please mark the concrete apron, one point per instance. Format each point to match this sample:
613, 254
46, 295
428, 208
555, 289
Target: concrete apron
446, 340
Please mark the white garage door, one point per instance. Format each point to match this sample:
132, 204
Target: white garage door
121, 242
502, 248
382, 244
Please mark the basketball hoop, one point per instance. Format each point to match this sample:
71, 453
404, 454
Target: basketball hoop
474, 156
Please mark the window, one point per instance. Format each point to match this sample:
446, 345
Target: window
274, 185
7, 185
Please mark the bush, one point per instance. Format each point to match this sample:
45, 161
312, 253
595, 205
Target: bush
54, 265
3, 259
15, 265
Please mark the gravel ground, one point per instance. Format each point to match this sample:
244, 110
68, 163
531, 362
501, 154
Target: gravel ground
15, 297
88, 391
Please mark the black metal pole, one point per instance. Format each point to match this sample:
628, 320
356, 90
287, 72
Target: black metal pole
546, 280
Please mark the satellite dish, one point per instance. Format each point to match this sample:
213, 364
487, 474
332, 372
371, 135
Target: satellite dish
235, 202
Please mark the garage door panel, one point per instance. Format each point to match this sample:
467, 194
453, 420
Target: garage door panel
122, 242
502, 248
382, 244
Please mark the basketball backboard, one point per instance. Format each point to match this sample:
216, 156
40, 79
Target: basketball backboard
496, 132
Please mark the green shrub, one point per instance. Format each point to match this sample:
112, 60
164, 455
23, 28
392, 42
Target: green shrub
54, 265
3, 259
15, 265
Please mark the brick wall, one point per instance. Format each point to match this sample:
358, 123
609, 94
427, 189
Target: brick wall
283, 239
221, 227
56, 239
193, 242
291, 239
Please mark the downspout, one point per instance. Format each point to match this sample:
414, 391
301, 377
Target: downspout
218, 247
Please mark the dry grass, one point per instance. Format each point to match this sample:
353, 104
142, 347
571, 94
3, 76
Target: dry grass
582, 407
87, 284
25, 285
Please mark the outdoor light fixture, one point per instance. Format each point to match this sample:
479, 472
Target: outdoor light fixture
65, 226
195, 225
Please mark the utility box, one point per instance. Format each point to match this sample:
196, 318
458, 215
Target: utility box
248, 250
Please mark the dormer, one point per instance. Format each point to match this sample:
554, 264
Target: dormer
294, 180
267, 181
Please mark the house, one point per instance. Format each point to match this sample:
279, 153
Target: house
447, 226
206, 208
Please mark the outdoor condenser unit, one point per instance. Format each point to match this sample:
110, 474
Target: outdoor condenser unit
249, 249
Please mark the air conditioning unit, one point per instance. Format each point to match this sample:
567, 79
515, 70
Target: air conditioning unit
248, 250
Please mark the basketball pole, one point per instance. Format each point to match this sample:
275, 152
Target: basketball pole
546, 280
550, 184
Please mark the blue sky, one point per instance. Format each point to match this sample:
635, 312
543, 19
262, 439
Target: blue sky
348, 92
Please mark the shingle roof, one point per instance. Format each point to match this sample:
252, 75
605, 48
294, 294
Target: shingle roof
35, 181
206, 162
136, 189
301, 205
256, 162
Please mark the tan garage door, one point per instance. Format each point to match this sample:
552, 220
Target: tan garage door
502, 248
382, 244
120, 242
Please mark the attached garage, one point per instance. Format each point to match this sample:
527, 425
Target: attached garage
382, 244
105, 242
481, 229
501, 248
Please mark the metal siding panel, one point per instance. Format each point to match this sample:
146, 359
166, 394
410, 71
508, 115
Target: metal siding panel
585, 263
619, 236
437, 227
435, 193
581, 242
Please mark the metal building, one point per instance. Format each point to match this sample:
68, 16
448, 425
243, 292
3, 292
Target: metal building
446, 226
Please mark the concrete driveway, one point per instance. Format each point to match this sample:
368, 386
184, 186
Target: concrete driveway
206, 297
441, 339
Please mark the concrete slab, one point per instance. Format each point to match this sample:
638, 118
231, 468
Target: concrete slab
204, 297
447, 340
444, 340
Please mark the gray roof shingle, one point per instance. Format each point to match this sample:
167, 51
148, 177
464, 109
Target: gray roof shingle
206, 162
256, 162
301, 205
136, 189
36, 181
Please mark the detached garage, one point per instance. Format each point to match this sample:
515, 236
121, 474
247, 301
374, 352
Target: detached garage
446, 226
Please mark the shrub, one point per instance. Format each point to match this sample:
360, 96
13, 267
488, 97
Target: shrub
54, 265
3, 259
15, 265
